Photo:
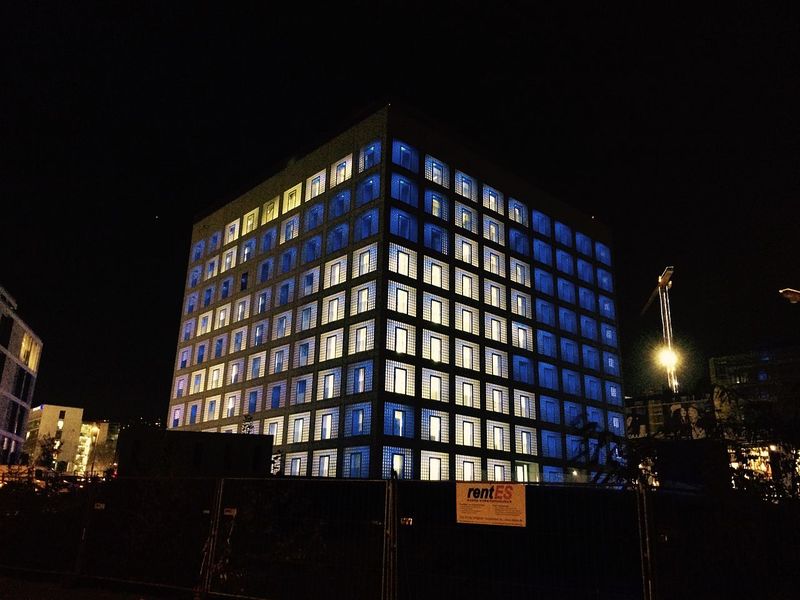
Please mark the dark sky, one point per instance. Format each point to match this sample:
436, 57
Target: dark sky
122, 120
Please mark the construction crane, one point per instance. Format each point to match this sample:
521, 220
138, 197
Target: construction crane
666, 356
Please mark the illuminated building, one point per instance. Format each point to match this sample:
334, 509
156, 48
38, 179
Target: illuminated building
392, 302
20, 350
81, 447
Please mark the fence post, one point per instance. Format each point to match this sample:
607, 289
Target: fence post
389, 574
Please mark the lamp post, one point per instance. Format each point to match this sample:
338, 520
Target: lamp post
93, 448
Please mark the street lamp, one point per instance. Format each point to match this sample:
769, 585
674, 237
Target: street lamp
95, 433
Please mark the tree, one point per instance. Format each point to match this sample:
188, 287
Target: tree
48, 452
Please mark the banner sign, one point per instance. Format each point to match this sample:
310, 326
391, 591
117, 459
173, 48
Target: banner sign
490, 503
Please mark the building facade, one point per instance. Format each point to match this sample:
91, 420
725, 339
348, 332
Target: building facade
391, 302
20, 351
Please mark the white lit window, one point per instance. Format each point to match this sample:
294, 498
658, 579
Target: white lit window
466, 252
400, 340
361, 339
397, 465
341, 172
494, 263
436, 207
230, 411
493, 232
298, 430
526, 442
499, 473
294, 469
330, 347
437, 174
399, 380
525, 407
466, 392
327, 387
435, 429
497, 401
333, 309
466, 220
466, 285
436, 275
402, 263
434, 468
493, 201
315, 186
498, 438
494, 295
327, 421
362, 300
336, 271
466, 356
324, 464
466, 320
402, 301
469, 470
399, 422
436, 349
522, 306
363, 263
495, 364
522, 338
468, 430
436, 311
436, 387
360, 377
495, 330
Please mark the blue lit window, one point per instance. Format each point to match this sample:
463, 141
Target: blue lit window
368, 190
563, 234
194, 278
522, 369
541, 223
197, 253
549, 409
542, 252
285, 292
591, 358
608, 334
275, 400
268, 239
398, 420
219, 346
404, 190
265, 270
337, 238
339, 204
313, 217
370, 156
213, 242
548, 376
595, 415
225, 288
592, 389
551, 445
585, 271
604, 280
575, 448
404, 225
583, 243
607, 307
571, 381
566, 291
201, 354
545, 313
312, 249
564, 262
586, 299
543, 281
615, 423
573, 414
435, 238
258, 335
288, 260
366, 225
252, 402
611, 363
567, 320
208, 296
603, 253
569, 350
613, 393
546, 343
588, 327
552, 475
357, 419
243, 281
518, 241
248, 249
437, 205
405, 156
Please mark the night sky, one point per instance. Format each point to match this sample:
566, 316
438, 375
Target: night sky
122, 122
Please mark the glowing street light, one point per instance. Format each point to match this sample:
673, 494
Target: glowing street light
668, 358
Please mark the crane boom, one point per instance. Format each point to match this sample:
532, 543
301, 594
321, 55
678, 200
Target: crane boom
668, 358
